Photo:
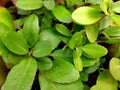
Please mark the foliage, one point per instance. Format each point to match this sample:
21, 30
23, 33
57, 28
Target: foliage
61, 42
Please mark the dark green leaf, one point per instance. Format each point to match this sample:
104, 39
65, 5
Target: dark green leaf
42, 48
21, 75
86, 15
62, 29
49, 4
15, 43
115, 67
49, 35
62, 72
62, 14
92, 33
44, 63
94, 50
29, 5
84, 76
48, 85
31, 29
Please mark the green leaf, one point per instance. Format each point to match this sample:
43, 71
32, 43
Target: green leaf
104, 5
92, 33
49, 4
112, 31
44, 63
63, 54
116, 19
31, 29
29, 5
115, 67
62, 14
6, 18
62, 72
83, 76
76, 40
86, 15
93, 68
105, 81
49, 35
62, 29
116, 6
94, 50
93, 1
15, 43
42, 48
21, 75
45, 84
88, 61
77, 61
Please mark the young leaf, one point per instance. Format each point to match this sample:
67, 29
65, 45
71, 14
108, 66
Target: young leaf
77, 61
86, 15
115, 67
62, 72
116, 6
6, 18
42, 48
116, 19
44, 63
31, 29
49, 35
92, 33
29, 5
49, 4
94, 50
62, 29
15, 43
76, 40
62, 14
21, 75
105, 81
45, 84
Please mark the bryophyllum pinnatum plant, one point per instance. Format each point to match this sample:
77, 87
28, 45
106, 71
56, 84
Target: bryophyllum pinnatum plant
60, 43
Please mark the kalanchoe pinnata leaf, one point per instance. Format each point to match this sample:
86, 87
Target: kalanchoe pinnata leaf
42, 48
86, 15
21, 75
29, 5
94, 50
62, 14
31, 29
62, 72
6, 19
16, 43
115, 67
